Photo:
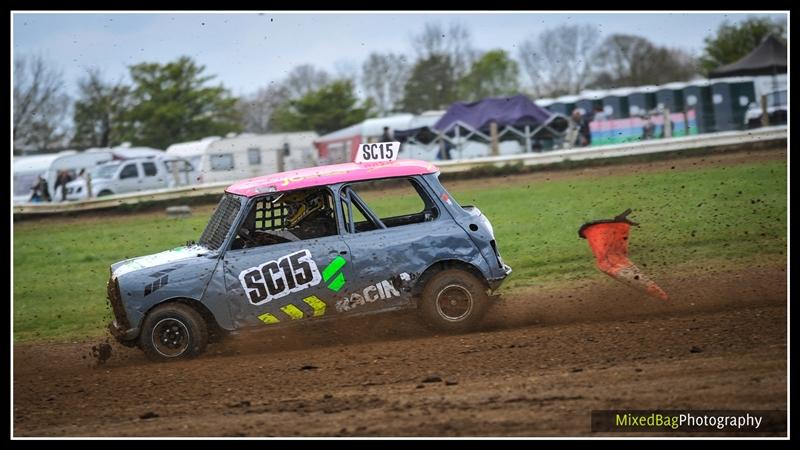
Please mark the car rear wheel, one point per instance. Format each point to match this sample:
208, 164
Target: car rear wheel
453, 300
173, 331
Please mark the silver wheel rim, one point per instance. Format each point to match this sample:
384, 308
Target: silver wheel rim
170, 337
454, 303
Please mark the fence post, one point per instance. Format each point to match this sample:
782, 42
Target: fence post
764, 112
458, 142
667, 124
493, 133
527, 139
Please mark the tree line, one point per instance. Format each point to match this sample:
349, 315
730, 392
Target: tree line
177, 101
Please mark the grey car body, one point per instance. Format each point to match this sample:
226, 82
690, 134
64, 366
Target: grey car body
381, 270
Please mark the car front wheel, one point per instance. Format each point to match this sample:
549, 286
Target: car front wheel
453, 300
173, 331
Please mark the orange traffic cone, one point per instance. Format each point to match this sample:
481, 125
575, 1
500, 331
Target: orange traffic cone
608, 240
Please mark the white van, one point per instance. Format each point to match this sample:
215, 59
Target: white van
248, 155
27, 169
133, 175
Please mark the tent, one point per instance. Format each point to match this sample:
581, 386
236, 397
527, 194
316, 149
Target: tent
517, 118
513, 112
769, 58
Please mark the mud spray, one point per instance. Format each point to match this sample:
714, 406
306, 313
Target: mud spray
101, 352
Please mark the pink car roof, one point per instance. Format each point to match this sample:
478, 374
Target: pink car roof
326, 175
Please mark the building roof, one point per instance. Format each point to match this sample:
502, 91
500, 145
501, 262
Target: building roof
769, 58
327, 175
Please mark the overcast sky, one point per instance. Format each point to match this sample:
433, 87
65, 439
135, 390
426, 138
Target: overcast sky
248, 50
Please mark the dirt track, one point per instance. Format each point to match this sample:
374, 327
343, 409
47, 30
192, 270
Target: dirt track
541, 363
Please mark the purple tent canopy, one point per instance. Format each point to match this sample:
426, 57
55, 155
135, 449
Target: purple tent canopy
516, 110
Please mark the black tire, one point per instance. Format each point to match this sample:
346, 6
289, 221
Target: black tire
104, 193
173, 331
453, 300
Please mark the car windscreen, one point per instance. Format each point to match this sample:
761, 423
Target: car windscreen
104, 171
220, 223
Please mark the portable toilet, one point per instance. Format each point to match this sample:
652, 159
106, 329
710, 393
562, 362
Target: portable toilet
590, 101
615, 104
699, 107
670, 96
562, 105
642, 101
616, 125
731, 98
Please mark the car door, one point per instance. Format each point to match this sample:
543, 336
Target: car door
152, 177
129, 178
287, 281
386, 253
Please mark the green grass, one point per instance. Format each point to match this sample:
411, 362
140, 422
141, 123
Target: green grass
729, 215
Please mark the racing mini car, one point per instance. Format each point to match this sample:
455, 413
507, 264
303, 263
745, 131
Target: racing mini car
310, 245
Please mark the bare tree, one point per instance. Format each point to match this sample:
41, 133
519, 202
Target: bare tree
454, 42
559, 60
257, 108
384, 77
40, 105
98, 113
304, 79
628, 60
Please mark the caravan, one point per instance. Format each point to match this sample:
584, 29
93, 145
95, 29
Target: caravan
247, 155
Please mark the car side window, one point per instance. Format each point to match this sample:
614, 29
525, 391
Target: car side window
287, 217
394, 202
356, 219
129, 171
149, 169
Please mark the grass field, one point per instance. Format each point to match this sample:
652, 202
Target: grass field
730, 214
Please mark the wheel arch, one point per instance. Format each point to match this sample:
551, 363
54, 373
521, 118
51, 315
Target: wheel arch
215, 331
441, 266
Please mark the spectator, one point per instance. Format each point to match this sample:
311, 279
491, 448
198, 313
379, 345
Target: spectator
87, 178
387, 135
62, 179
40, 191
648, 129
445, 149
583, 137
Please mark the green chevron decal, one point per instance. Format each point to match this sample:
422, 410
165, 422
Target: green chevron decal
332, 269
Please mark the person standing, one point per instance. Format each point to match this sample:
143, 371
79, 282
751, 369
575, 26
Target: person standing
583, 137
62, 179
648, 128
387, 135
40, 191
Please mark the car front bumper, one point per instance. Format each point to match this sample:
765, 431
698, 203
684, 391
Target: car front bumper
122, 334
495, 283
